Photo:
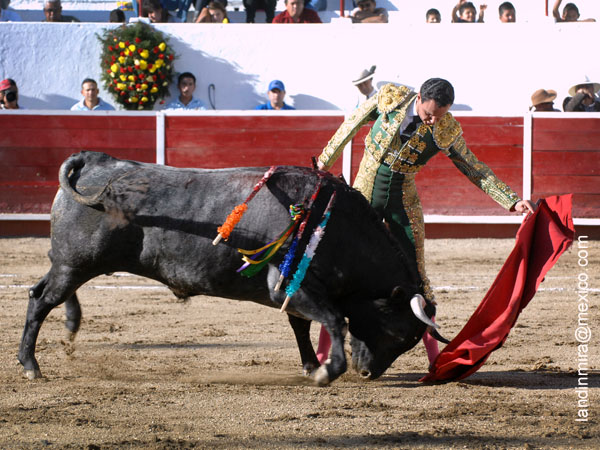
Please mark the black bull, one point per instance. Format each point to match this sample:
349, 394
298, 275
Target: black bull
159, 222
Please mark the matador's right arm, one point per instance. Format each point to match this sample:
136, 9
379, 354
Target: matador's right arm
347, 130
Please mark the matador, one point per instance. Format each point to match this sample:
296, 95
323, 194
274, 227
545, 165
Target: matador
394, 154
409, 129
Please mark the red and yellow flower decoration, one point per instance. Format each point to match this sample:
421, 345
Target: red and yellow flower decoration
137, 65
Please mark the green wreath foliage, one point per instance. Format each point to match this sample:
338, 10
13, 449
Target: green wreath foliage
137, 65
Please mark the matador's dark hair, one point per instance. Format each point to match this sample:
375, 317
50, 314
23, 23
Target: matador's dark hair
439, 90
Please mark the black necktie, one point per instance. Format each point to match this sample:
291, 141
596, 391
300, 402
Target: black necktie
410, 129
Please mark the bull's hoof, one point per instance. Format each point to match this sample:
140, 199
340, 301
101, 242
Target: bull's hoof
33, 374
365, 374
72, 327
322, 376
68, 345
309, 369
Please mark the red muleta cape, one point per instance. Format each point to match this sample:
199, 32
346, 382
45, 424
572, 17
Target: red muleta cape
541, 239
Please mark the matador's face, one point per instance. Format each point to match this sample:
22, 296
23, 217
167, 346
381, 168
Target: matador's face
429, 111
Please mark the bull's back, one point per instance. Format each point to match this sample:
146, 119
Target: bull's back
160, 222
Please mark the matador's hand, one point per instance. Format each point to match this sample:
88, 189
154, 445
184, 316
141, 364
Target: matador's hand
525, 206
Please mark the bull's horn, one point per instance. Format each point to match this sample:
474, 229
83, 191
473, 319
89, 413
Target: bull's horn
417, 303
437, 336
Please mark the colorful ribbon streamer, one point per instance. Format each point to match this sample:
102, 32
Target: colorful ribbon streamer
252, 265
286, 265
309, 254
235, 216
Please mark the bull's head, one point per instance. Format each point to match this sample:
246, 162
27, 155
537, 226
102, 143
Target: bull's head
384, 329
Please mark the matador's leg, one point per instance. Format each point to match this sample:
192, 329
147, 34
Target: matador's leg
396, 200
414, 212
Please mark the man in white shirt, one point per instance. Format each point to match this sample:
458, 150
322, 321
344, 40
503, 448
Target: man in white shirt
91, 101
186, 83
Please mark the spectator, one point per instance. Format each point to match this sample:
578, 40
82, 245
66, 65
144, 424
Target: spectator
154, 10
267, 5
543, 100
507, 13
186, 83
296, 13
53, 12
91, 101
179, 7
570, 13
465, 12
9, 94
433, 16
583, 98
8, 14
215, 12
116, 16
199, 5
366, 11
364, 83
276, 96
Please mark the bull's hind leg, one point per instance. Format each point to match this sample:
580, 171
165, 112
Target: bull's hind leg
73, 315
56, 287
301, 329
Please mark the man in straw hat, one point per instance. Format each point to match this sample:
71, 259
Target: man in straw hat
583, 97
410, 128
364, 83
543, 100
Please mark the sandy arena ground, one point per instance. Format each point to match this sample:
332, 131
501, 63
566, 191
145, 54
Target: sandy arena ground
148, 371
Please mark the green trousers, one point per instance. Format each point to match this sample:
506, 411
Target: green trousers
396, 201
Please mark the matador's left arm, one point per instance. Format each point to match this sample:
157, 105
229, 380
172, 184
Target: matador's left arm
481, 175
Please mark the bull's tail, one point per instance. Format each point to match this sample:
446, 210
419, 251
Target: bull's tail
74, 163
120, 196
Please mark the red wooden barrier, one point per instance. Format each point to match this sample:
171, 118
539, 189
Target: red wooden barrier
32, 148
566, 159
225, 141
565, 156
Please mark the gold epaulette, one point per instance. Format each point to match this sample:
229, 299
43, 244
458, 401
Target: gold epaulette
446, 131
390, 96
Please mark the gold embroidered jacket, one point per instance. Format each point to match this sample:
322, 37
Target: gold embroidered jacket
384, 146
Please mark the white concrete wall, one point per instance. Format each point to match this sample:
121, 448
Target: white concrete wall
494, 67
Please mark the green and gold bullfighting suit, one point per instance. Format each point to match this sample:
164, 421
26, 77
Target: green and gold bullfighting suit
386, 176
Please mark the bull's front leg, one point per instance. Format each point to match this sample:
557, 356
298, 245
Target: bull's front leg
301, 329
336, 365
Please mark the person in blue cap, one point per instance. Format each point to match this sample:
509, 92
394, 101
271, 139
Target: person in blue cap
276, 96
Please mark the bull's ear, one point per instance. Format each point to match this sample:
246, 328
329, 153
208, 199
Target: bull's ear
398, 292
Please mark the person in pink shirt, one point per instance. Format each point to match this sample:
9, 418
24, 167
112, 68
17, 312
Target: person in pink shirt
296, 13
